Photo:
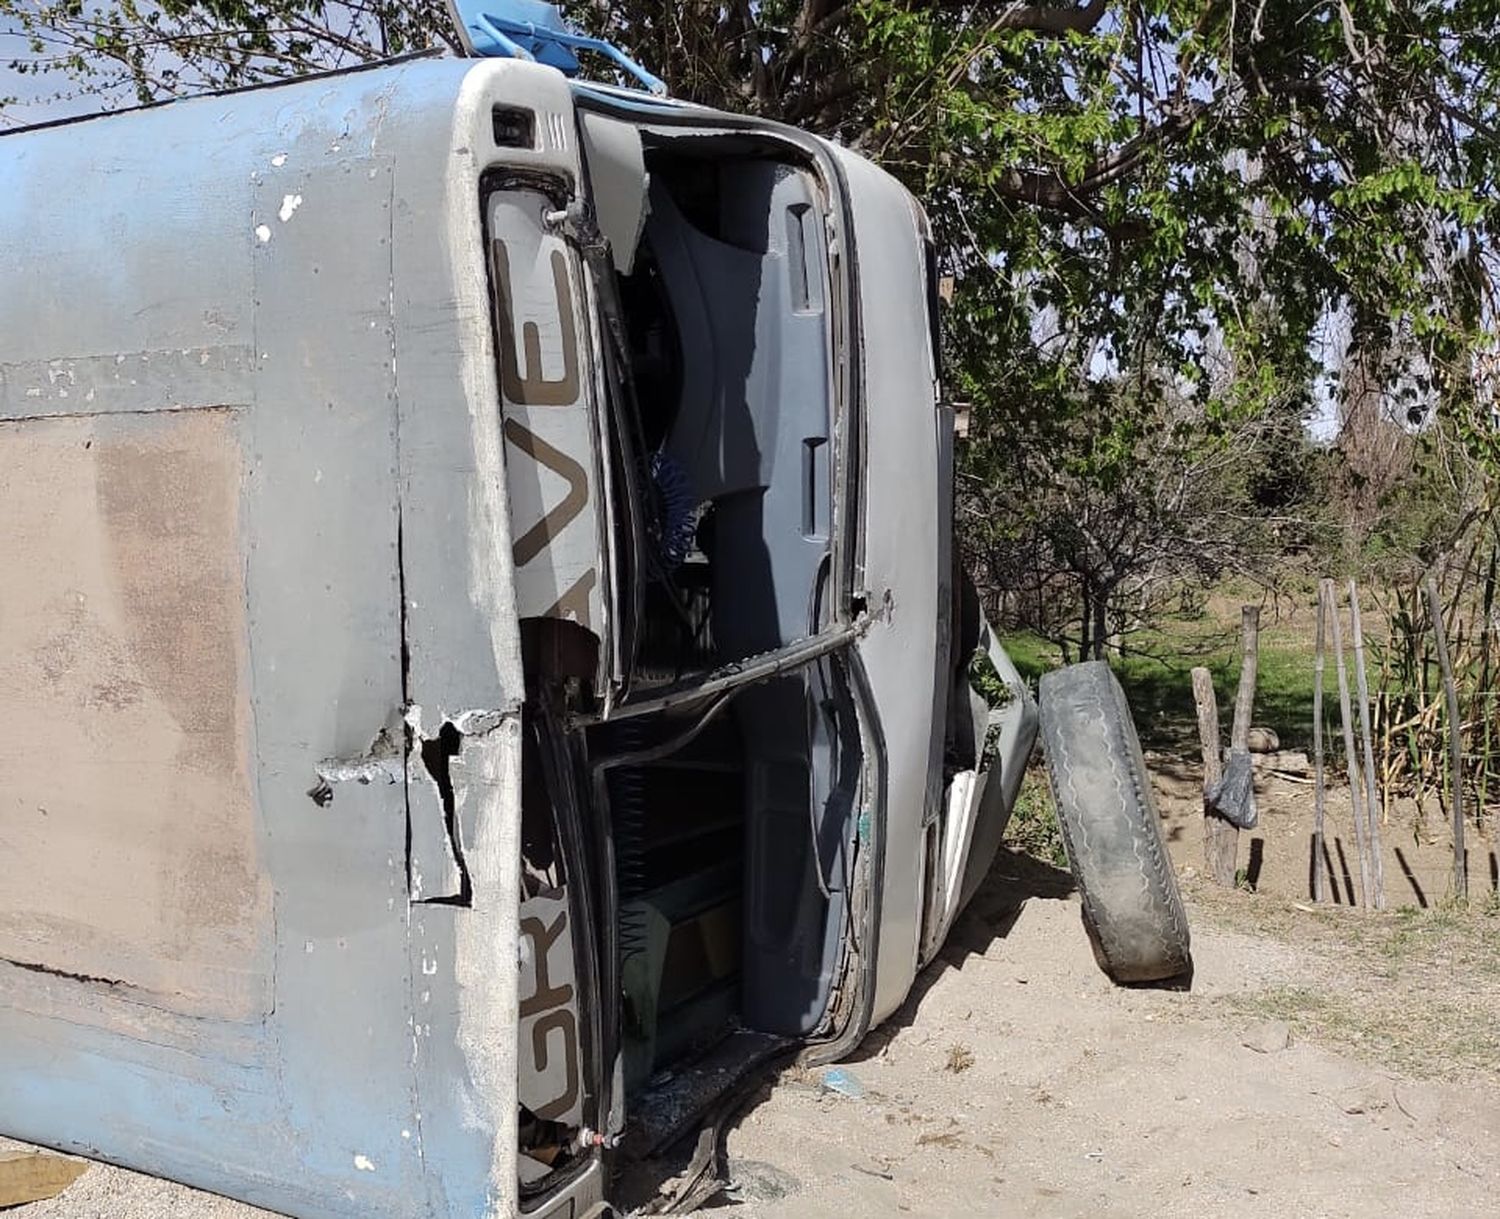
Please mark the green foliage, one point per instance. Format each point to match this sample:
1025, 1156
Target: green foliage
127, 51
1151, 213
1157, 678
1177, 186
985, 679
1033, 824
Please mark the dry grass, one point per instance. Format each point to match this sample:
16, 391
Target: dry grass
1409, 990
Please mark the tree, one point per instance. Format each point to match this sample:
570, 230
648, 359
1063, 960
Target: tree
1126, 192
1112, 527
139, 51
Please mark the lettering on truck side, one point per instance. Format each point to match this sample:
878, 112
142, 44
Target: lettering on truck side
548, 424
550, 1081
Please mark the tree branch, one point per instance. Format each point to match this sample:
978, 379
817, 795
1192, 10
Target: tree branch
816, 18
1052, 20
835, 88
760, 75
1050, 190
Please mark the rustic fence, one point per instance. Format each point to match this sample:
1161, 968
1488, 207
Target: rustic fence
1405, 712
1426, 730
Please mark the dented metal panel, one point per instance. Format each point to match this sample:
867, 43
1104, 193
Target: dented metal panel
904, 568
261, 368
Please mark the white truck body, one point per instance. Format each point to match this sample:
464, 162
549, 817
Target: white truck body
433, 546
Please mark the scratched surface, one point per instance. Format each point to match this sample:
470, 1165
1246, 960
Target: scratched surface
136, 859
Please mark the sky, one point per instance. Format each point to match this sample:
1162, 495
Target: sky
37, 95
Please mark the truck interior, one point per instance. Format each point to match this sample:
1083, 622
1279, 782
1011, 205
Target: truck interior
731, 817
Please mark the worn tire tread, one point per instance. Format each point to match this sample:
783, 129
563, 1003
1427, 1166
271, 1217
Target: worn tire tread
1110, 828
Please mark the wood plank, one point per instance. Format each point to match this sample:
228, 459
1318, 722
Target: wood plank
27, 1176
1282, 762
1455, 739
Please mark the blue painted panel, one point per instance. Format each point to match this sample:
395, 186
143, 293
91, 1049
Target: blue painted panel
380, 1082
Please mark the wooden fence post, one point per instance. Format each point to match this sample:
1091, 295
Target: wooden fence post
1221, 840
1351, 759
1372, 801
1244, 701
1455, 739
1319, 796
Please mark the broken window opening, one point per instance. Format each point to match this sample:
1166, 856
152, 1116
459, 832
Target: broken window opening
437, 754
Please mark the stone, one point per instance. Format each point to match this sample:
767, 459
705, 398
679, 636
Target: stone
1267, 1036
1262, 740
756, 1181
1363, 1098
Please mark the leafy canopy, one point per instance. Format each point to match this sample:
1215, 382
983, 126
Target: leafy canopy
1142, 203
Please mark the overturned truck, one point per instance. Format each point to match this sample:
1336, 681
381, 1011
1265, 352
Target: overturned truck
486, 665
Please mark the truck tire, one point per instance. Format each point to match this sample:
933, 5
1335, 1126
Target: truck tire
1110, 827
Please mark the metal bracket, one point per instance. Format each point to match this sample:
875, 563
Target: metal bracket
533, 30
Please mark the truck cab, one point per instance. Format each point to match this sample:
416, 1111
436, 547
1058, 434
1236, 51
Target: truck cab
784, 741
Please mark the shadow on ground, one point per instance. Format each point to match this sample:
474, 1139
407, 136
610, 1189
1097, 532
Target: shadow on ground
690, 1165
1013, 880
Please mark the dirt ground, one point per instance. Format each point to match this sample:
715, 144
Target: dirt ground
1324, 1062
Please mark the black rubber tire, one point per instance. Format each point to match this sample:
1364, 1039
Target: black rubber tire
1110, 827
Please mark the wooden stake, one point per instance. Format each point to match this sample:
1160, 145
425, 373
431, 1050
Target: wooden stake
1319, 796
1351, 759
1372, 799
1485, 694
1220, 839
1388, 770
1244, 702
1455, 739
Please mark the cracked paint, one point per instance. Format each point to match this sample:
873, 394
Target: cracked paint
380, 763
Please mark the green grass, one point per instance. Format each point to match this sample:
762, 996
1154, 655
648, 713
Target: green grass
1156, 673
1033, 825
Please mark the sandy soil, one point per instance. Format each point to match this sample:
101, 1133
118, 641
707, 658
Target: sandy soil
1079, 1098
1323, 1063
